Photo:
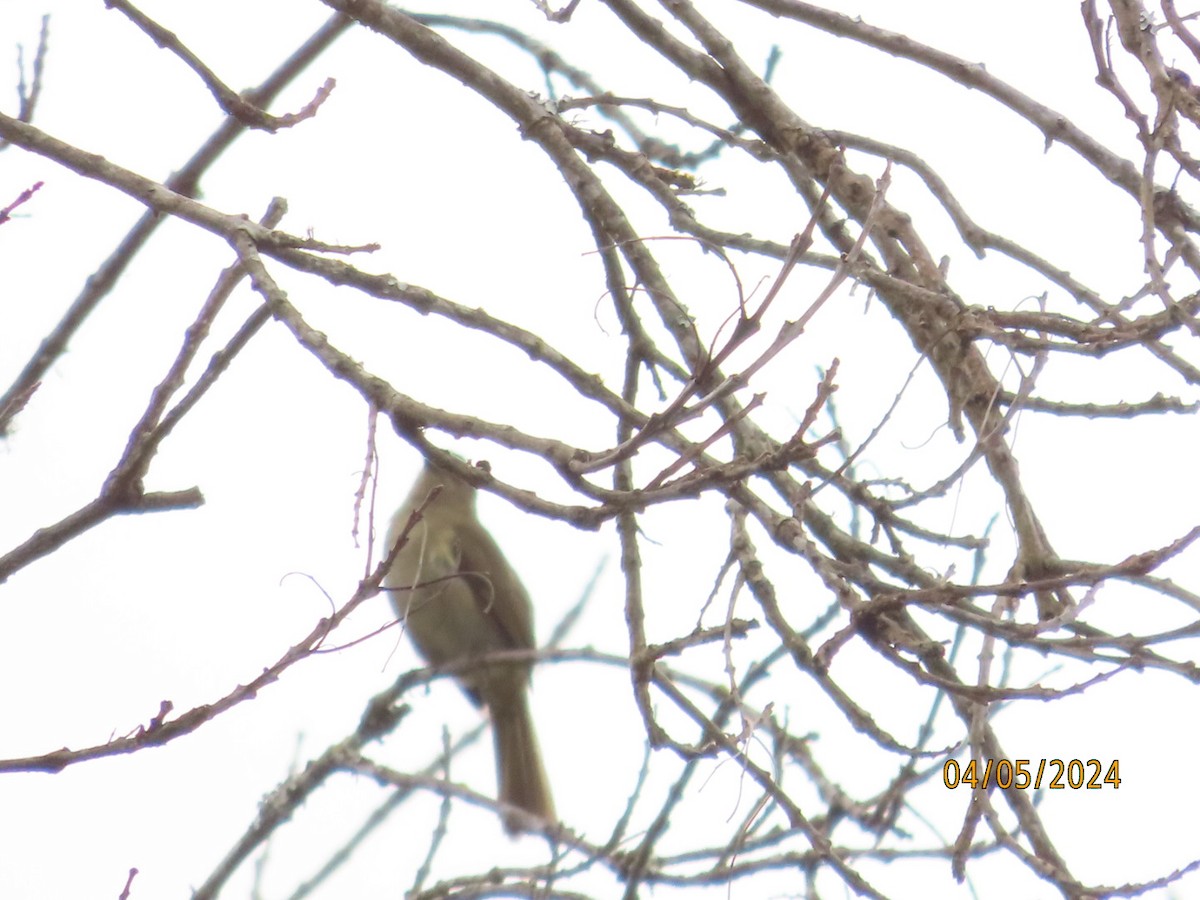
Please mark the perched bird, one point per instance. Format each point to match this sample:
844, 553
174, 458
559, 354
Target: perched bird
460, 600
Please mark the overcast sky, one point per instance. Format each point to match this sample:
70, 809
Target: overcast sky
182, 606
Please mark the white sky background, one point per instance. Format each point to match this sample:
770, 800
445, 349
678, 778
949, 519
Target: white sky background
185, 605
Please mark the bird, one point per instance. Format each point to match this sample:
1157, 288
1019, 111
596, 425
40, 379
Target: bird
460, 600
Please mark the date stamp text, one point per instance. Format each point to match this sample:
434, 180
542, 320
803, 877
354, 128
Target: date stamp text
1054, 774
